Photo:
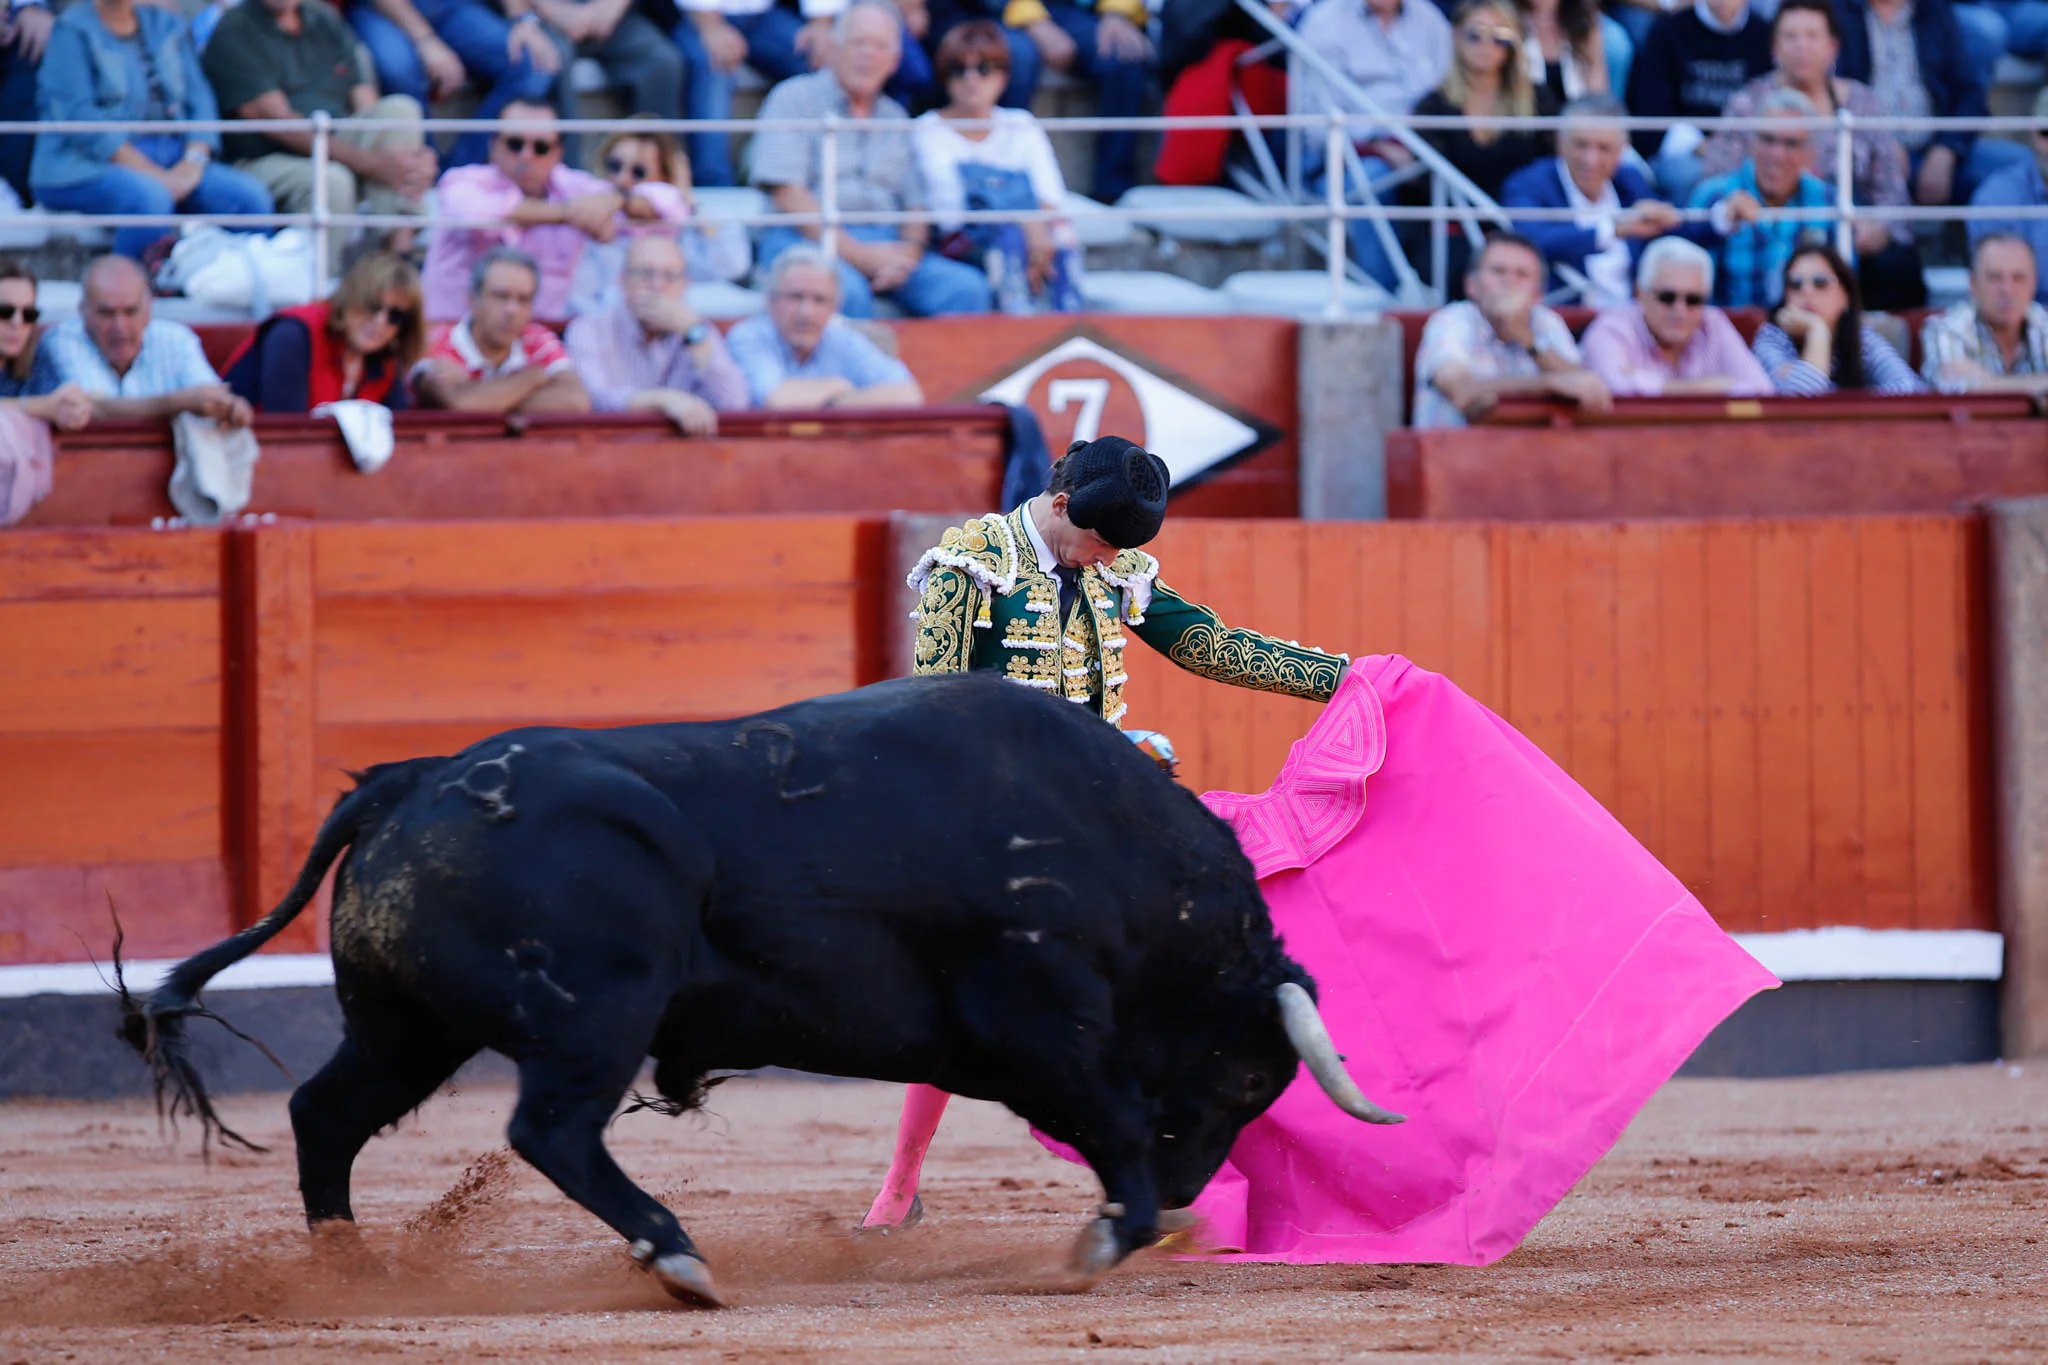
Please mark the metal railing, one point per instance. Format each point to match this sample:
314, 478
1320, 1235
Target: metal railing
1454, 201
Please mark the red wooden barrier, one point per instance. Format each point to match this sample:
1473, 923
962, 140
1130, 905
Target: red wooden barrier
114, 748
1789, 713
1805, 456
450, 466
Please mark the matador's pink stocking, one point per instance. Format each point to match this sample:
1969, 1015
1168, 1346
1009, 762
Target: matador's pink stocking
898, 1206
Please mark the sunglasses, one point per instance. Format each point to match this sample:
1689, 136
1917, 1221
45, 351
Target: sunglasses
1809, 281
397, 317
977, 69
1504, 36
517, 145
28, 314
617, 166
1667, 297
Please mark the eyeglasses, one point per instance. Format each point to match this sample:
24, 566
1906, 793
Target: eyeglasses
1809, 281
977, 69
618, 166
1506, 37
1781, 141
28, 314
646, 274
517, 145
1667, 297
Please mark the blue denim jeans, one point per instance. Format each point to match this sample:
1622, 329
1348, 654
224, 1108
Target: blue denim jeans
936, 287
1119, 93
223, 189
476, 33
17, 105
1992, 28
707, 93
1367, 251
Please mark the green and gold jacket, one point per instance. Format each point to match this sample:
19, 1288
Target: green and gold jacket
985, 602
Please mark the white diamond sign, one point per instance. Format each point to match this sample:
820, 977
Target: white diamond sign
1191, 435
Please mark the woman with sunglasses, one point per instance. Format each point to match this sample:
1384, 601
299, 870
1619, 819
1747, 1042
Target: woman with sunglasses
28, 383
651, 167
1488, 78
1817, 341
358, 344
1007, 165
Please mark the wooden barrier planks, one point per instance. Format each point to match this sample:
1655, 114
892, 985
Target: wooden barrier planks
1789, 713
113, 746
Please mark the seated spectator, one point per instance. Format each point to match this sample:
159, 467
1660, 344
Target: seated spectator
638, 59
1572, 50
1997, 340
553, 211
136, 368
361, 343
1396, 51
652, 353
650, 165
1499, 341
1751, 252
1201, 44
1487, 78
115, 61
498, 359
1671, 340
1007, 166
802, 354
280, 59
1912, 53
877, 173
1102, 41
1615, 210
778, 39
430, 50
2019, 185
1693, 60
27, 380
1805, 41
1817, 342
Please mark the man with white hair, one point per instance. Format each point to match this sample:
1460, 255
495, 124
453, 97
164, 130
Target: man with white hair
802, 354
1777, 174
1614, 212
1672, 340
135, 367
876, 173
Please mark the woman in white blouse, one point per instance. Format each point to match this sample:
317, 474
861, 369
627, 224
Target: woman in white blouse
1008, 165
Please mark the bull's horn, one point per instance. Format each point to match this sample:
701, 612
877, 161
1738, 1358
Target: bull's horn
1304, 1025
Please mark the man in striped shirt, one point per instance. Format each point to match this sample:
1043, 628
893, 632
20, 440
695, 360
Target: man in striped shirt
1997, 342
1777, 174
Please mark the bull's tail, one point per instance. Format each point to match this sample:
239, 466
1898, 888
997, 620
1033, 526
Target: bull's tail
155, 1025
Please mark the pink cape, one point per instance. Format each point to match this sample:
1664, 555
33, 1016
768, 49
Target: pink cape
1497, 957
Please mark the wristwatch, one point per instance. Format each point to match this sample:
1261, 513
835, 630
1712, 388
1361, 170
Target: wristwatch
699, 332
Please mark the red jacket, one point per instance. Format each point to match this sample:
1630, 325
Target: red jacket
327, 372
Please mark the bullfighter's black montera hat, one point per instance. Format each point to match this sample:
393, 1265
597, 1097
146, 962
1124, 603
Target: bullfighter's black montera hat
1118, 490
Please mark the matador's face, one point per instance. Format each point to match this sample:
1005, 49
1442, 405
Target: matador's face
1072, 546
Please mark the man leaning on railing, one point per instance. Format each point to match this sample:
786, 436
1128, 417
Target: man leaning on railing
1499, 341
1996, 341
136, 367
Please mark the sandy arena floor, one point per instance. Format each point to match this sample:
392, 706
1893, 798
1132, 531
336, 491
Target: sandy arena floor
1895, 1217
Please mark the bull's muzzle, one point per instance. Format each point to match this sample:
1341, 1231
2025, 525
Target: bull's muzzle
1304, 1025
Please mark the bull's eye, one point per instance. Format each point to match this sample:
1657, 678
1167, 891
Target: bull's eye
1255, 1084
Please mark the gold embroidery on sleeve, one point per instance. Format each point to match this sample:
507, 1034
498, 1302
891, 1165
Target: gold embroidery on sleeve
1245, 658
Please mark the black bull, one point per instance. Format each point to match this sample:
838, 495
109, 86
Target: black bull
954, 881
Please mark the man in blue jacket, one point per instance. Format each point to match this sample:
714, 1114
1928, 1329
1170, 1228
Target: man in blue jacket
1615, 214
1914, 55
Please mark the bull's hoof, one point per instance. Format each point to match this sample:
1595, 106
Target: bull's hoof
684, 1276
1095, 1251
910, 1220
1177, 1220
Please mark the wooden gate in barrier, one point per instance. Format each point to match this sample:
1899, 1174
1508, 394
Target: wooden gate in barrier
1790, 713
